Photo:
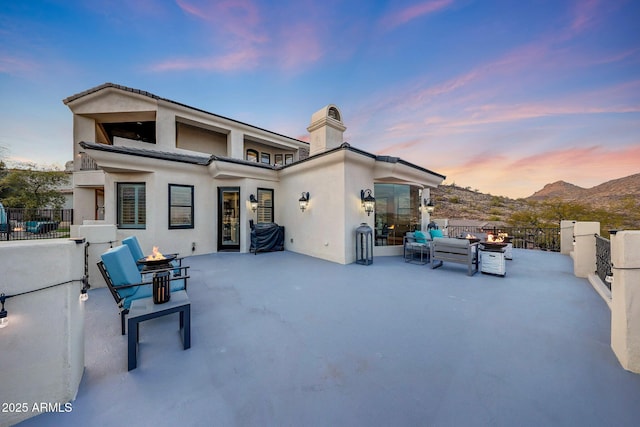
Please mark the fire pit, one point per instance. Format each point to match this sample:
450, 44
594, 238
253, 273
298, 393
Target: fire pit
471, 238
156, 261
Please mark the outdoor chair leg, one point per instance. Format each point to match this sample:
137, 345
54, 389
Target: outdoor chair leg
122, 321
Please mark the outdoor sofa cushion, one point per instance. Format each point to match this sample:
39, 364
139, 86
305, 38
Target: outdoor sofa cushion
435, 233
420, 236
134, 247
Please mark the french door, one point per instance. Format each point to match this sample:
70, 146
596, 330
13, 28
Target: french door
228, 218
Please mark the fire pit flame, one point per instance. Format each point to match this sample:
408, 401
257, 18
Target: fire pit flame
497, 239
155, 255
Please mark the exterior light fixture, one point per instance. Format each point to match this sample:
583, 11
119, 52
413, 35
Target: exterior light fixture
254, 202
368, 201
304, 201
85, 287
3, 313
429, 206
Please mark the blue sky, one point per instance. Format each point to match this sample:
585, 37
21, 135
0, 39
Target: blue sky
500, 96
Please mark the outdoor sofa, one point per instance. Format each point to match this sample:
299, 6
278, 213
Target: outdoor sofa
460, 251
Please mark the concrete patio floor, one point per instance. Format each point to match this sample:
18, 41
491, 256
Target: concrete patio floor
281, 339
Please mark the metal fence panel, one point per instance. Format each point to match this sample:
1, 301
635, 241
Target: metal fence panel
29, 224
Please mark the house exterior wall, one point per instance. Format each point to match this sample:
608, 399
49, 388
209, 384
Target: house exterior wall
334, 175
326, 229
201, 140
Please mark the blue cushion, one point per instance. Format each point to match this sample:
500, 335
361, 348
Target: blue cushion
122, 269
435, 233
420, 236
144, 291
134, 247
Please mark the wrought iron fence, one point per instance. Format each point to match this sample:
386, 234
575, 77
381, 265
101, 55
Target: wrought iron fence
603, 259
28, 224
542, 238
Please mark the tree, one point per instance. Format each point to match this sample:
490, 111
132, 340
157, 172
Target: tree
32, 188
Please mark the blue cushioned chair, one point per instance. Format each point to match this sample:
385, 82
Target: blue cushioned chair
127, 283
136, 252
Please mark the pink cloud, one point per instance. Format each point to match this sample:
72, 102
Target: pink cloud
585, 13
304, 48
245, 59
522, 176
239, 38
15, 65
410, 13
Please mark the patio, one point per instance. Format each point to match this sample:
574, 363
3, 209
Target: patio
285, 339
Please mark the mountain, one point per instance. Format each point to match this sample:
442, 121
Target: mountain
615, 203
606, 194
558, 190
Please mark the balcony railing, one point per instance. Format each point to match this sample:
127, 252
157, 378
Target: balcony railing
603, 259
87, 163
542, 238
29, 224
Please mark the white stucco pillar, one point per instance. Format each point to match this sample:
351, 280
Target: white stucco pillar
566, 236
165, 129
584, 252
625, 294
235, 144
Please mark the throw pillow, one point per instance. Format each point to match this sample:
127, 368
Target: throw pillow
435, 233
420, 237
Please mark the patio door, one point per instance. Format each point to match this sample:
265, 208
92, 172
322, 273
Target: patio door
228, 218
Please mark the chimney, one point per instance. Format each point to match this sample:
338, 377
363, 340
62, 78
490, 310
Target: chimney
326, 130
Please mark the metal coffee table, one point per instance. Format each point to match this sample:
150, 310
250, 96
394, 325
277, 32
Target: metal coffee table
145, 309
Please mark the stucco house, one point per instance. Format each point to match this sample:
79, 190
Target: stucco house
182, 178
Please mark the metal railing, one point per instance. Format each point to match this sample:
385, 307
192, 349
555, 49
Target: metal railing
29, 224
603, 259
541, 238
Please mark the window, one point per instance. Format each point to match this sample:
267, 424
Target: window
132, 212
279, 161
265, 205
265, 158
397, 207
252, 155
180, 206
288, 159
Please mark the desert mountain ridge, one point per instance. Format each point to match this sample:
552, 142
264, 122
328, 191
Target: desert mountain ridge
604, 194
619, 197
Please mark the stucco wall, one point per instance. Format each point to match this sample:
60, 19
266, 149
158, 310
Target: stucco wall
327, 228
42, 358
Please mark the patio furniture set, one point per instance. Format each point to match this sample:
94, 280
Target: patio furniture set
146, 290
432, 247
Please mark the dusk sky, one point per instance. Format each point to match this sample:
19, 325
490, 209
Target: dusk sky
500, 96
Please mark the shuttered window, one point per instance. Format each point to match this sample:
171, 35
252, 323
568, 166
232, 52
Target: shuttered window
180, 206
132, 211
265, 205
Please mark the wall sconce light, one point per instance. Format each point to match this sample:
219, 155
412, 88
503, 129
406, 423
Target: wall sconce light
254, 202
368, 201
304, 201
3, 313
429, 206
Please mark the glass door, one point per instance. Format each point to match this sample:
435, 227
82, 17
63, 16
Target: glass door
229, 218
